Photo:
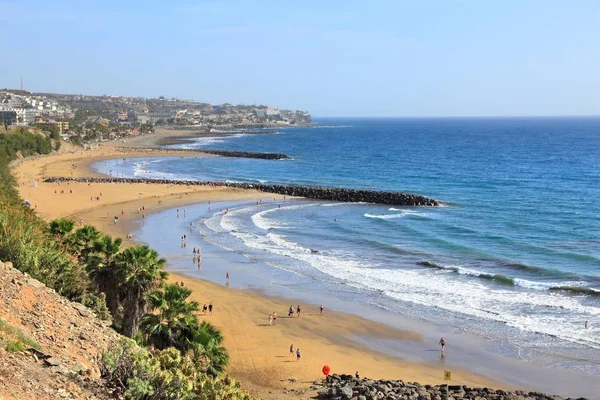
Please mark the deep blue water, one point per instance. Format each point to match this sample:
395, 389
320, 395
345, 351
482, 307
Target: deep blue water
522, 219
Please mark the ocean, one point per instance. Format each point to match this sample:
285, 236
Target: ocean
512, 256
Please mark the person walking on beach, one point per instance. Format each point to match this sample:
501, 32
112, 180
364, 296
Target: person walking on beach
274, 318
270, 319
204, 308
321, 309
210, 307
442, 344
297, 354
298, 310
291, 312
292, 349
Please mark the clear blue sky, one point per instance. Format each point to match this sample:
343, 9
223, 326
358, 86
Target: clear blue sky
333, 58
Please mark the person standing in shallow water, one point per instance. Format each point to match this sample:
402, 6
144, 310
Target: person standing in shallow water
442, 344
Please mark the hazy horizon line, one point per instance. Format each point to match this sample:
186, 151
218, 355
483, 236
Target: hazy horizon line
458, 116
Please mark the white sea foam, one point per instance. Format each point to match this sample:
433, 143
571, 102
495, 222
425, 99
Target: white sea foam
406, 211
384, 216
143, 169
261, 221
331, 126
538, 311
525, 283
342, 204
280, 241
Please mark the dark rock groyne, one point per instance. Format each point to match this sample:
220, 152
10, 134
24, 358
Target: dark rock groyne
346, 387
310, 192
246, 154
222, 153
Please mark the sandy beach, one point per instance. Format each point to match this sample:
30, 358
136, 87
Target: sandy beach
260, 356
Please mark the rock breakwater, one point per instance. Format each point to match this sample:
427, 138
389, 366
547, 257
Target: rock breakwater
246, 154
222, 153
347, 387
309, 192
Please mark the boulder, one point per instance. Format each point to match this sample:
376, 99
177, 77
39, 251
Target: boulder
52, 362
346, 392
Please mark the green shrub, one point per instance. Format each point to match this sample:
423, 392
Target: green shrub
21, 341
26, 143
97, 303
163, 375
15, 346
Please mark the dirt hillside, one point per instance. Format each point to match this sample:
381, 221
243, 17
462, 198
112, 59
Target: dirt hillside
47, 343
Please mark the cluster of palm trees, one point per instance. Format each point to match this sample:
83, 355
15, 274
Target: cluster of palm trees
142, 304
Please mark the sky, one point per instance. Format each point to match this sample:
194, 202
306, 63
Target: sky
330, 57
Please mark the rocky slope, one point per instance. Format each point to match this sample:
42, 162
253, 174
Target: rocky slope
48, 344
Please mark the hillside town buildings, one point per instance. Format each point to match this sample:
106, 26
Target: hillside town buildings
107, 117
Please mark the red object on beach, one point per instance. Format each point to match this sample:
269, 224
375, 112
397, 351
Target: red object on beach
326, 370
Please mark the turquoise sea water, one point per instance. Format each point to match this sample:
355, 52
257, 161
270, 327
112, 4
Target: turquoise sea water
513, 256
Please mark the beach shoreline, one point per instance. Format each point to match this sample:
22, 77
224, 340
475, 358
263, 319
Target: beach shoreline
260, 380
257, 351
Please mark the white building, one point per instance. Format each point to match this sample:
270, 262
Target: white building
25, 116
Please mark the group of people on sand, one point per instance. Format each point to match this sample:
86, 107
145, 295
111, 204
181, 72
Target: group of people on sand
273, 318
209, 308
299, 310
297, 352
63, 192
273, 321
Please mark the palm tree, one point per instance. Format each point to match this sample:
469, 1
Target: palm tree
139, 270
61, 227
101, 266
207, 345
174, 323
84, 239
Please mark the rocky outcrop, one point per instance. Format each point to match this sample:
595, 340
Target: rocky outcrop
309, 192
48, 344
346, 387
